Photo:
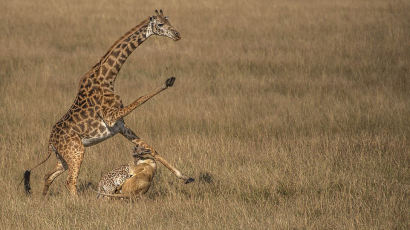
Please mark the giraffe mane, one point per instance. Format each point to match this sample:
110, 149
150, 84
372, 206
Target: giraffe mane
122, 38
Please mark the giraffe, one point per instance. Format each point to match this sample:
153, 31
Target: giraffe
97, 112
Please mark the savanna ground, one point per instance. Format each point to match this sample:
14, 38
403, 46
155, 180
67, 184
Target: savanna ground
289, 114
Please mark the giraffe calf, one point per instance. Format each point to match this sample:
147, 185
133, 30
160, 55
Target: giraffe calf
128, 181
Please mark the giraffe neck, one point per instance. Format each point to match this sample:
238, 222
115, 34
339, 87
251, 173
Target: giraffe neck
111, 63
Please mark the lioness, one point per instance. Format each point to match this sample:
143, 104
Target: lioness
128, 181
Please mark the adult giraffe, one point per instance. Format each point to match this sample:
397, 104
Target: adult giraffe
97, 112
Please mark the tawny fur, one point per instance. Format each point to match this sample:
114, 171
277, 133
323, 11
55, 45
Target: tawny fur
135, 180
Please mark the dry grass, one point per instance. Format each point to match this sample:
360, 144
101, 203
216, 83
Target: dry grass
290, 114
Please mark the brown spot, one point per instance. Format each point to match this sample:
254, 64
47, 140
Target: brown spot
117, 104
109, 101
101, 128
70, 119
95, 88
128, 51
121, 60
77, 110
96, 99
76, 117
80, 101
139, 41
123, 56
104, 69
95, 81
93, 133
83, 114
90, 102
116, 53
81, 92
133, 46
95, 124
110, 61
89, 122
88, 85
117, 67
91, 112
81, 126
64, 125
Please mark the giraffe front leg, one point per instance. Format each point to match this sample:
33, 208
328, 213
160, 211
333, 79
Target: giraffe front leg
147, 149
118, 113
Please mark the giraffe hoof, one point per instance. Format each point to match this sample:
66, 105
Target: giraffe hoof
189, 180
170, 81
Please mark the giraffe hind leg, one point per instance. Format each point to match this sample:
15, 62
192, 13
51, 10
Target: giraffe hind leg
70, 153
51, 176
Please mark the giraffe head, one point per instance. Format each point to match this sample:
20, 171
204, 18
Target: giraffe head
160, 25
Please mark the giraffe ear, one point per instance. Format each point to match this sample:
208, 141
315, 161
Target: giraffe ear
161, 12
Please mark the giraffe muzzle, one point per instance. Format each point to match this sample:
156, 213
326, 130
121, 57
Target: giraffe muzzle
177, 36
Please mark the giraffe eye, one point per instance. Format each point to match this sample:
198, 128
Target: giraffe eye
160, 25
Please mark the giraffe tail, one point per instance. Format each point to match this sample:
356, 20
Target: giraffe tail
26, 178
27, 173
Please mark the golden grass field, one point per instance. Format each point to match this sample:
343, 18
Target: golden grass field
289, 114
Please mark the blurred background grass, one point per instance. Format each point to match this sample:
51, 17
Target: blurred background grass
290, 114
